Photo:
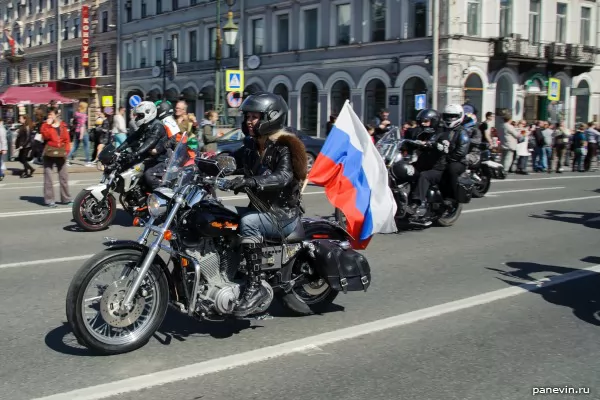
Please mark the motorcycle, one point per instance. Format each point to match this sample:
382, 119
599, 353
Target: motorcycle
484, 171
95, 207
305, 270
399, 155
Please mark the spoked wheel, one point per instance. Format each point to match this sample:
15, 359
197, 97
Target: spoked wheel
95, 297
311, 293
93, 215
482, 187
451, 216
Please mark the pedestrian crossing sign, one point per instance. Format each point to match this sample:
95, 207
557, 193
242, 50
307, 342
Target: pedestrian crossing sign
234, 80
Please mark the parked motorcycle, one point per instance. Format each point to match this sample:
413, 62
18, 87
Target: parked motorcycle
95, 207
305, 270
484, 171
399, 155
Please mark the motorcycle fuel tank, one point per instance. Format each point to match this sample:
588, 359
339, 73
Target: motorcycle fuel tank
214, 220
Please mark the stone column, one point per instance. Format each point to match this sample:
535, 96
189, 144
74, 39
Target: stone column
356, 98
294, 103
323, 113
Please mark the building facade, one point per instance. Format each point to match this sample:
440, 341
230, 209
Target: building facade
499, 55
316, 54
53, 34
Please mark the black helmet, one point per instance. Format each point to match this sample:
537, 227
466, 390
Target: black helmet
429, 114
403, 171
273, 110
164, 109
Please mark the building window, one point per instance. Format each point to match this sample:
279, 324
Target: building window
144, 9
51, 32
174, 45
175, 5
104, 64
561, 22
343, 24
535, 9
42, 5
65, 30
76, 67
51, 70
143, 53
586, 18
158, 51
65, 67
159, 9
258, 36
66, 2
505, 17
193, 2
193, 45
30, 73
129, 56
104, 21
7, 76
473, 17
419, 19
378, 12
311, 28
212, 43
128, 14
283, 32
29, 37
52, 4
40, 72
30, 7
40, 36
76, 28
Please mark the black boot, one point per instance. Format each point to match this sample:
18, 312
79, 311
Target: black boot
255, 294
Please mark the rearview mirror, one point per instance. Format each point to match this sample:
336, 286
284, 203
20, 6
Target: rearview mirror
226, 164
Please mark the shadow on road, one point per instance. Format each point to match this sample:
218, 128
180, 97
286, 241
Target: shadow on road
39, 200
176, 326
581, 294
122, 219
589, 220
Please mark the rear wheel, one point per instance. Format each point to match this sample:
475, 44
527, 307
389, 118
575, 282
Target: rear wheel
340, 218
482, 187
450, 217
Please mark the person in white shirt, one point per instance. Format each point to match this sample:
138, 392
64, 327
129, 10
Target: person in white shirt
3, 147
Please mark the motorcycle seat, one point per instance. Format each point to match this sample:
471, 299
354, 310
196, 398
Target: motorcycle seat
296, 236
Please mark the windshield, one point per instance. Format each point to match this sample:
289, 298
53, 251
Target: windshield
235, 134
178, 160
107, 154
385, 144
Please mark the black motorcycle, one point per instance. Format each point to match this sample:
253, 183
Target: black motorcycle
204, 272
399, 155
483, 171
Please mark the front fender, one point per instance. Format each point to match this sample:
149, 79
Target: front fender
98, 191
143, 249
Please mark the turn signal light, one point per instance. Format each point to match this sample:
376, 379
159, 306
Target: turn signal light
184, 262
168, 235
136, 221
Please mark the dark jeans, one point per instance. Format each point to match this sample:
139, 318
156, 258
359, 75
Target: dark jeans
154, 173
455, 169
424, 181
23, 153
591, 155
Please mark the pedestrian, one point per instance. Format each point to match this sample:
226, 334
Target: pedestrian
3, 148
25, 144
592, 151
81, 134
209, 132
510, 140
58, 146
579, 147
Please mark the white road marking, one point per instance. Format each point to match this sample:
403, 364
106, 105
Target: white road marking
535, 203
71, 184
40, 184
308, 343
544, 179
47, 261
527, 190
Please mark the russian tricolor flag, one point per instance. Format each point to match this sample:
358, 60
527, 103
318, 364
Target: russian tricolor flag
355, 179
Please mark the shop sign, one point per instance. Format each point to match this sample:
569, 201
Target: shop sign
85, 36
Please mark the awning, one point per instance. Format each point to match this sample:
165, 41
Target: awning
19, 95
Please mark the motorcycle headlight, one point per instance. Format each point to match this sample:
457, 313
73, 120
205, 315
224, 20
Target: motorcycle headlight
157, 206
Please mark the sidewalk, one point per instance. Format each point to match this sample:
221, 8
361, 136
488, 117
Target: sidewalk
15, 168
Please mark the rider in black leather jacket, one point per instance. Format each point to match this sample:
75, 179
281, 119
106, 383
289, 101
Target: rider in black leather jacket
150, 132
274, 166
452, 118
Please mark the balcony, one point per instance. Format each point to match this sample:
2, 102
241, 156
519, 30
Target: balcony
553, 56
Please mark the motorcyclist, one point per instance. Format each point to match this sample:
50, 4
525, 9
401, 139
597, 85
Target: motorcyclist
149, 132
274, 167
453, 117
431, 162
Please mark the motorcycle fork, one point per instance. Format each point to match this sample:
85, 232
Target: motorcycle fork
154, 248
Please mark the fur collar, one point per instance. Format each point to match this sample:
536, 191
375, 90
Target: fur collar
297, 151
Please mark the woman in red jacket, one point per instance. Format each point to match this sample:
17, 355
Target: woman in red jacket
58, 146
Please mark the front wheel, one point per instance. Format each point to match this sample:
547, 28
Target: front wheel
92, 215
95, 296
482, 187
451, 216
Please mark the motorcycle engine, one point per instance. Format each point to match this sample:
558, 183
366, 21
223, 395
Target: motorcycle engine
217, 271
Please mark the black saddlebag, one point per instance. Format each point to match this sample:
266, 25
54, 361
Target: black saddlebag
344, 268
464, 190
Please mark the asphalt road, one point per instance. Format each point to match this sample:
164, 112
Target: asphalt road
447, 315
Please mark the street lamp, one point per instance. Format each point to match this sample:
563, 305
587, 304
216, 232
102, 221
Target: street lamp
230, 30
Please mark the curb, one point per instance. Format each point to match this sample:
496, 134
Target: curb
14, 169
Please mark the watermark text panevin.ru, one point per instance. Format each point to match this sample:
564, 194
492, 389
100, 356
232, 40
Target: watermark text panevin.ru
560, 390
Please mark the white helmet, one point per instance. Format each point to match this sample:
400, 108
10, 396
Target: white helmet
453, 115
145, 112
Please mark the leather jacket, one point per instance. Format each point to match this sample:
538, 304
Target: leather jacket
459, 145
279, 174
147, 137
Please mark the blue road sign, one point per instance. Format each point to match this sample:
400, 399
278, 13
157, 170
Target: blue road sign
134, 100
420, 101
234, 80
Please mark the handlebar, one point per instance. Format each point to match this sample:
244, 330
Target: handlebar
220, 183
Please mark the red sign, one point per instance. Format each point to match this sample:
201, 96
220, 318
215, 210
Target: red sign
85, 36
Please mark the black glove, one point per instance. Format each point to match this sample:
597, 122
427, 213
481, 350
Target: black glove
238, 184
